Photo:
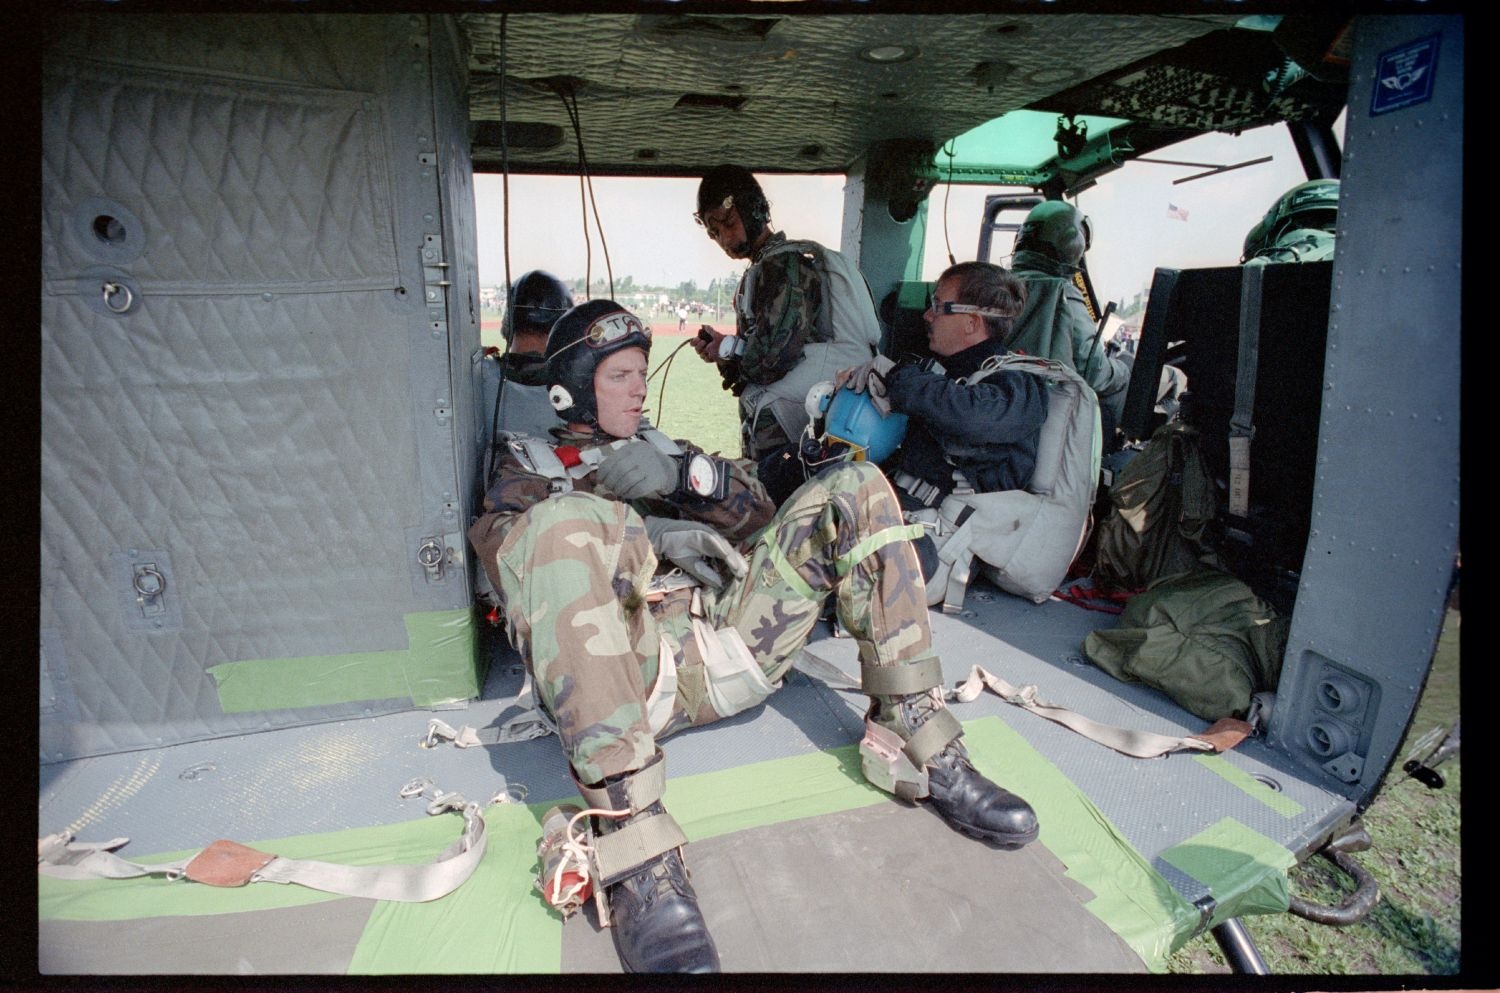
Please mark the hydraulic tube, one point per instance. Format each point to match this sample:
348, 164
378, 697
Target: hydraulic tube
1239, 948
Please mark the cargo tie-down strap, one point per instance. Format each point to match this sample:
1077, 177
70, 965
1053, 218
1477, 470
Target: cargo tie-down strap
1221, 736
228, 863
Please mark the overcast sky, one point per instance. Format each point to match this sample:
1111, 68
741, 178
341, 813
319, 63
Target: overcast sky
651, 235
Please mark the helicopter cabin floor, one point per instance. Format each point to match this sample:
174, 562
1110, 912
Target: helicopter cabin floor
799, 864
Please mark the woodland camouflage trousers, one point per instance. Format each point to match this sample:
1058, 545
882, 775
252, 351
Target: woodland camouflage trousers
574, 574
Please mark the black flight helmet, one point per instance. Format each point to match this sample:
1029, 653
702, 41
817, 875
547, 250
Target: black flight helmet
534, 303
733, 186
580, 340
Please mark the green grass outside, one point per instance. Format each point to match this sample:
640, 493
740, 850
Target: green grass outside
686, 399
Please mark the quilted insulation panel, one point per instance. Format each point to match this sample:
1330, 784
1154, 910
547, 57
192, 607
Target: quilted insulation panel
239, 445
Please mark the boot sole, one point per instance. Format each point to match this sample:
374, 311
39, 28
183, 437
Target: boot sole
1004, 842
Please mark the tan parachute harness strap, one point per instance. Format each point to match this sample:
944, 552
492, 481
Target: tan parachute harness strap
932, 737
1222, 736
900, 680
625, 849
641, 788
735, 681
228, 863
630, 846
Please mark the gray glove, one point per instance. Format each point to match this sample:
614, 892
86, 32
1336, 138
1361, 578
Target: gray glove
870, 378
692, 546
637, 470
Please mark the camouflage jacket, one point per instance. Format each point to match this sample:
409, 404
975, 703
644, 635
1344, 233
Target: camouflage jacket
785, 303
514, 488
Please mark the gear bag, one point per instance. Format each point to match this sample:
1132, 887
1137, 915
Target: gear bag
1204, 638
1161, 505
1024, 539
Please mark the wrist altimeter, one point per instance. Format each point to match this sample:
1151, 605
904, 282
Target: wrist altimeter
703, 476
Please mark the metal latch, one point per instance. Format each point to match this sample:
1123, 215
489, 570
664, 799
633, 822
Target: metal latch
433, 555
150, 589
433, 266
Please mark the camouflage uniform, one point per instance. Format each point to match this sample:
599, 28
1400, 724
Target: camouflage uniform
574, 570
803, 312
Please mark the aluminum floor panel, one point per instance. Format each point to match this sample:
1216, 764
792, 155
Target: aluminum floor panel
347, 774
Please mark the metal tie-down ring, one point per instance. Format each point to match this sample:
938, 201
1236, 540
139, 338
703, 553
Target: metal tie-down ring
112, 290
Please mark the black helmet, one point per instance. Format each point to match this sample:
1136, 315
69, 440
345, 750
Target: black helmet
1057, 230
580, 340
534, 302
734, 186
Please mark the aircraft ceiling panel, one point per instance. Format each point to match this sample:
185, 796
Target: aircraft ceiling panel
677, 93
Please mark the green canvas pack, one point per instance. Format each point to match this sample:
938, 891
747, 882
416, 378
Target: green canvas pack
1203, 638
1160, 506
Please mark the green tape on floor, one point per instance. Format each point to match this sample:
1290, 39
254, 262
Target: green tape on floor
1279, 802
440, 664
497, 923
1130, 897
1245, 871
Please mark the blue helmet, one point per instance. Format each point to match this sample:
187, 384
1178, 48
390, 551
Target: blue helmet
851, 418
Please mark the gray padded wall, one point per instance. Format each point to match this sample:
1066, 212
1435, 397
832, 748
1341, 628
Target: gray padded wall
1380, 555
270, 419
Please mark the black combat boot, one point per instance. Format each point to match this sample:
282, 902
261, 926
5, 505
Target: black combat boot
653, 911
974, 805
968, 801
655, 917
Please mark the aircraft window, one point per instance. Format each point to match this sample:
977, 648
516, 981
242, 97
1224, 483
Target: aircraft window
1142, 219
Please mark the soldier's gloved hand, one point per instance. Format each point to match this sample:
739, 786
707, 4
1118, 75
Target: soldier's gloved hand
637, 470
870, 378
692, 547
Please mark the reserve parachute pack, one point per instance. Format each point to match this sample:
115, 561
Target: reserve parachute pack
1024, 540
1161, 504
846, 304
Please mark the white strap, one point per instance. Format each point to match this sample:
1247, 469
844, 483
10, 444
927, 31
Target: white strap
402, 883
59, 856
1136, 744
